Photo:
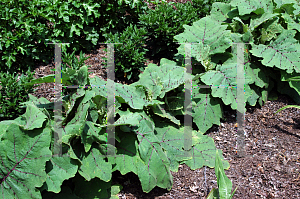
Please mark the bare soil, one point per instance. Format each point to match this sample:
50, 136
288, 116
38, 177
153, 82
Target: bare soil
270, 169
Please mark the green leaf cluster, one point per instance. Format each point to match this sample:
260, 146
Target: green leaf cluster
165, 21
130, 51
269, 33
155, 28
71, 64
149, 139
71, 61
13, 91
149, 133
27, 26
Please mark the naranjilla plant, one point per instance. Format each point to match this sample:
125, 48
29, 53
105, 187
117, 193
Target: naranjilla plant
145, 129
149, 114
213, 44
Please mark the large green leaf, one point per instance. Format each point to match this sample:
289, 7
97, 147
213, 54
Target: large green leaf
207, 37
202, 151
23, 157
40, 102
34, 117
58, 170
248, 6
206, 109
94, 165
147, 159
282, 53
158, 80
225, 77
152, 154
127, 158
220, 11
132, 95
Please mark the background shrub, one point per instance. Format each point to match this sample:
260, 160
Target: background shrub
12, 93
164, 22
129, 56
26, 27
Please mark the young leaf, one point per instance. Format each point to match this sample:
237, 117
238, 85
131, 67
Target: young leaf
224, 184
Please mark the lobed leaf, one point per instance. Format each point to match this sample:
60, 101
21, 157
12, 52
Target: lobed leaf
248, 6
225, 77
22, 161
34, 118
59, 169
206, 109
207, 37
94, 165
282, 53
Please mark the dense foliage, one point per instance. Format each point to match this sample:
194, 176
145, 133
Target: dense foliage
149, 114
13, 91
163, 23
129, 51
72, 64
149, 139
269, 32
27, 26
167, 20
